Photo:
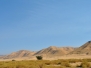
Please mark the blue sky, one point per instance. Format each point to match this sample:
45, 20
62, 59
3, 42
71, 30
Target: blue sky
37, 24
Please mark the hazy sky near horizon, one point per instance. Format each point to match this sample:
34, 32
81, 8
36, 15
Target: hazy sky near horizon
36, 24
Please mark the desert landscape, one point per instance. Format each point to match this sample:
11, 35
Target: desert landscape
52, 57
45, 33
52, 53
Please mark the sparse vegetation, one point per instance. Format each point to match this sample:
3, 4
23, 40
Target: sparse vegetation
61, 63
85, 64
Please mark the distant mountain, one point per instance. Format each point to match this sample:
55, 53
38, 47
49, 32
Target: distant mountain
84, 49
19, 54
1, 56
54, 51
51, 51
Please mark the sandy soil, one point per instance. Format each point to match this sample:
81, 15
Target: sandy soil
52, 58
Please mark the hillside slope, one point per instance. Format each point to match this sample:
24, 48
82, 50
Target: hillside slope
84, 49
19, 54
54, 51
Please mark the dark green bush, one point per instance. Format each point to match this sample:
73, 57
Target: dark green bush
39, 57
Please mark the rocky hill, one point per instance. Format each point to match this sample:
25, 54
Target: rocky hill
84, 49
19, 54
54, 51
